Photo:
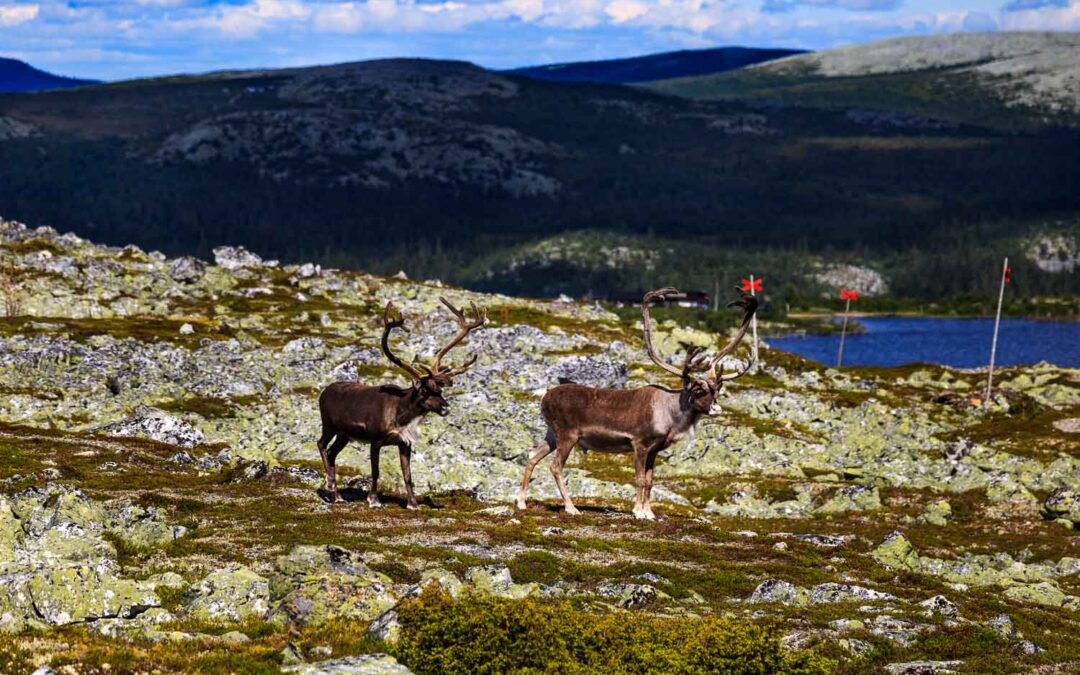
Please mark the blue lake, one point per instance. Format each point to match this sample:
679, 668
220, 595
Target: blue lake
962, 343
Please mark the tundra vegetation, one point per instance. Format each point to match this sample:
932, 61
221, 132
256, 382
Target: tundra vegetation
159, 506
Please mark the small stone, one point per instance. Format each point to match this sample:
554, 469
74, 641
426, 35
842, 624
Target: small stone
187, 329
1002, 624
896, 552
236, 257
937, 513
939, 604
187, 269
386, 627
1063, 504
233, 637
367, 664
629, 595
1030, 648
923, 667
777, 590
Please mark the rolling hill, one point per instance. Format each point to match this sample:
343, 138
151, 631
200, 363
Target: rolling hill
1003, 80
429, 166
19, 76
684, 63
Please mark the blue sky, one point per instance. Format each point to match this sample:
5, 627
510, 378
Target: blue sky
134, 38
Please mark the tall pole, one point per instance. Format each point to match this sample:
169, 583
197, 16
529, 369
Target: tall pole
843, 334
716, 294
997, 323
753, 323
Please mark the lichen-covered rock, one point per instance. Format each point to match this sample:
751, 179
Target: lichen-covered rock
937, 513
187, 269
236, 257
851, 498
157, 426
830, 593
59, 595
1063, 505
444, 580
939, 604
233, 595
1002, 624
778, 590
386, 627
496, 580
366, 664
629, 595
1045, 593
142, 527
896, 552
923, 667
316, 583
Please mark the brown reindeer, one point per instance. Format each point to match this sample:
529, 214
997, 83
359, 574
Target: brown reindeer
644, 421
387, 414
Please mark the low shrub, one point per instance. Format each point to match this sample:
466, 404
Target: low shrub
493, 635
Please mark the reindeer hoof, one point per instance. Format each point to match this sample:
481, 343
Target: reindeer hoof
374, 503
412, 506
521, 504
571, 510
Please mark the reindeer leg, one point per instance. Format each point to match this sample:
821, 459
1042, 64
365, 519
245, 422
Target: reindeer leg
330, 465
650, 461
640, 498
542, 450
405, 455
322, 444
565, 446
373, 493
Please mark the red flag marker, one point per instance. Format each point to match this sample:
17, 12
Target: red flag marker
845, 294
1008, 274
751, 284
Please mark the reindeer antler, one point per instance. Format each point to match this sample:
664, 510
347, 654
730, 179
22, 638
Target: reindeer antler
646, 322
389, 324
465, 326
695, 360
749, 304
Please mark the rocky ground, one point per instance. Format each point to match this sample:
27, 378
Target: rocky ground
158, 475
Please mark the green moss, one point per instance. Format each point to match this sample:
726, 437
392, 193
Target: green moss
492, 635
33, 246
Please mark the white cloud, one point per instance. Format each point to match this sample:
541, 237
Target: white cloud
13, 15
624, 10
1047, 17
248, 20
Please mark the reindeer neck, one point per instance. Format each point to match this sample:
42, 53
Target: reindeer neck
408, 409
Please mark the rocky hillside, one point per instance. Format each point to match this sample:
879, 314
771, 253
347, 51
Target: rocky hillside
683, 63
158, 480
1030, 76
426, 165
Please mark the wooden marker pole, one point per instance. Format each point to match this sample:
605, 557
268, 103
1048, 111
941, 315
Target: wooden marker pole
845, 294
843, 334
997, 324
753, 323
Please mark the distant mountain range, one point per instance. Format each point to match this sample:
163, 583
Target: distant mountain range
17, 76
686, 63
1007, 80
428, 166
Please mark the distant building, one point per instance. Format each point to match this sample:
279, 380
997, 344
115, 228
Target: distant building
688, 299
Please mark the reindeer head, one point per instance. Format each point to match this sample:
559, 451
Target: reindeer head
427, 387
699, 392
